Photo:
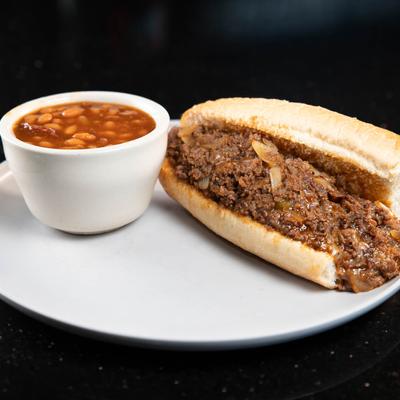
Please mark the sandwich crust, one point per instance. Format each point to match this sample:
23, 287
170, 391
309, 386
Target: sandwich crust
366, 158
251, 236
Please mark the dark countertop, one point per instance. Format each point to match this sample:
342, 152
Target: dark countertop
340, 54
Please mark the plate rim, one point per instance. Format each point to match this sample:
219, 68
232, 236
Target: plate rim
210, 345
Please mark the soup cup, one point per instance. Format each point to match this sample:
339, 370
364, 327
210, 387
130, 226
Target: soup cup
87, 191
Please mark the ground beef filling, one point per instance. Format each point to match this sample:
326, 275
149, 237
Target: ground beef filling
246, 173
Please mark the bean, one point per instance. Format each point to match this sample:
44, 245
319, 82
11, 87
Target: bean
102, 142
141, 132
95, 109
113, 110
86, 136
53, 126
57, 120
36, 138
74, 142
44, 143
70, 130
30, 119
47, 110
126, 136
109, 124
128, 112
72, 112
45, 118
82, 119
107, 134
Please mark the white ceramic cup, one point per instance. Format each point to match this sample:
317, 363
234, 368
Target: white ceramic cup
91, 190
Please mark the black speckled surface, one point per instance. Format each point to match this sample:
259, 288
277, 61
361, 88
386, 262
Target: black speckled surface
341, 54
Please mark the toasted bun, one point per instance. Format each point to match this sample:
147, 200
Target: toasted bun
364, 157
271, 246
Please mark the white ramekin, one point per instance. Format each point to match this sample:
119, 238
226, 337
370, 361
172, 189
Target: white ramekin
92, 190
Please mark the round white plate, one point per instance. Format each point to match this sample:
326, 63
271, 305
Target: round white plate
163, 281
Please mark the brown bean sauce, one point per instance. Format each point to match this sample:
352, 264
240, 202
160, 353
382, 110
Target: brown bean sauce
83, 125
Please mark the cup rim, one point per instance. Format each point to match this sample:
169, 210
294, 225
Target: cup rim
155, 110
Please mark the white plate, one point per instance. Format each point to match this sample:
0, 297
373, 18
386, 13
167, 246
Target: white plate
163, 281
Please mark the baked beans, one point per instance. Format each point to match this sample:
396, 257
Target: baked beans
83, 125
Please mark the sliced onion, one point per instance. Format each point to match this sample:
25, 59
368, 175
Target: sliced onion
203, 183
295, 216
383, 206
283, 205
275, 175
265, 151
185, 133
355, 236
335, 250
357, 240
314, 170
395, 235
357, 282
324, 183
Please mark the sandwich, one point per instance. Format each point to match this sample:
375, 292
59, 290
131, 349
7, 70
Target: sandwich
312, 191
